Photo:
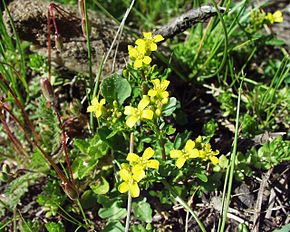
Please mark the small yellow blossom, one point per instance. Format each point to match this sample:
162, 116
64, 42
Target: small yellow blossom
139, 113
188, 152
208, 154
144, 162
159, 90
149, 41
97, 107
276, 17
138, 56
130, 180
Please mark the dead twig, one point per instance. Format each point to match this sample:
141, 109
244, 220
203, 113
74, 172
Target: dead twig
187, 20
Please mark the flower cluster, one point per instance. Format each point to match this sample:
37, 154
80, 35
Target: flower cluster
135, 171
192, 150
158, 95
258, 18
142, 112
151, 103
140, 54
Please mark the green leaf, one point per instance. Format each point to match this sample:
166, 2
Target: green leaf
100, 186
82, 145
116, 88
114, 140
223, 162
54, 227
202, 176
84, 166
89, 199
142, 211
170, 107
114, 227
113, 213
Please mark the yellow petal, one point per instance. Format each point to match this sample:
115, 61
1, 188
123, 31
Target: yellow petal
123, 187
138, 63
90, 109
147, 35
152, 93
132, 157
156, 83
124, 174
158, 38
134, 190
125, 166
148, 153
194, 153
153, 46
138, 173
103, 101
214, 160
153, 164
95, 101
278, 17
143, 103
132, 51
131, 121
164, 84
180, 162
147, 114
140, 42
164, 94
98, 113
175, 154
129, 110
147, 60
189, 145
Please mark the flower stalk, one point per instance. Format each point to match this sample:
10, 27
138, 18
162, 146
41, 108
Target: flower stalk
129, 201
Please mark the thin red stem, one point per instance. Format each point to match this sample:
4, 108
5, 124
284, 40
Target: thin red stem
63, 142
18, 103
17, 145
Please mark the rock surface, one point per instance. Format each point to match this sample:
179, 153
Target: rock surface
30, 19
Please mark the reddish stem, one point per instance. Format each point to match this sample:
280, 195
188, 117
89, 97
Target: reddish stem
17, 145
63, 142
24, 114
68, 186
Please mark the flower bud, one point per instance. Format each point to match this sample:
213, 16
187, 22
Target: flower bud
58, 42
47, 90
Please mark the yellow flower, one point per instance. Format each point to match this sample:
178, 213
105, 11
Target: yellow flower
276, 17
138, 55
149, 42
188, 152
97, 107
159, 89
208, 154
139, 113
130, 180
144, 162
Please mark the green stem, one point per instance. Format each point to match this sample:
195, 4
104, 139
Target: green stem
88, 45
82, 212
184, 205
232, 165
128, 212
226, 44
129, 202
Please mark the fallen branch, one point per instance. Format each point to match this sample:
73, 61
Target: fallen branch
187, 20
